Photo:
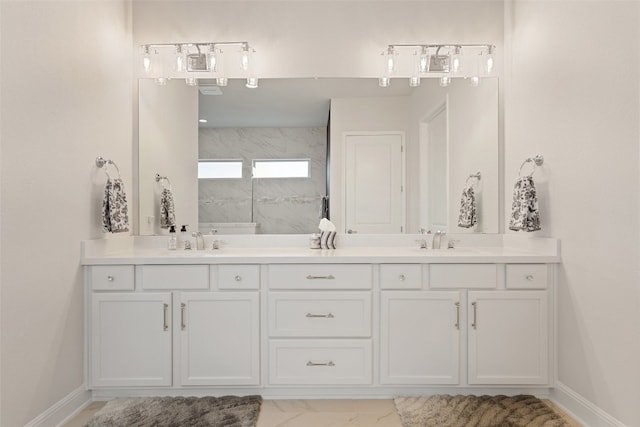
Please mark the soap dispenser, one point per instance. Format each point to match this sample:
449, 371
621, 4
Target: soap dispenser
173, 241
184, 238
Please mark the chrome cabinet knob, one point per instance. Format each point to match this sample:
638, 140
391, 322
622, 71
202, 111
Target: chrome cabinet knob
402, 277
110, 278
238, 278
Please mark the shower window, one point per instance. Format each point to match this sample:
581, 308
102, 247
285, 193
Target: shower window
216, 169
281, 168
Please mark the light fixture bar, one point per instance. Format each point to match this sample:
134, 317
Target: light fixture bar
444, 61
197, 60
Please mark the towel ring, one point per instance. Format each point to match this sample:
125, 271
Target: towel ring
162, 179
101, 162
477, 176
536, 161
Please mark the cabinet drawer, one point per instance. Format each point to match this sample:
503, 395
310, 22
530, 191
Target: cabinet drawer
174, 276
320, 276
237, 276
320, 314
112, 278
401, 276
463, 276
527, 276
320, 362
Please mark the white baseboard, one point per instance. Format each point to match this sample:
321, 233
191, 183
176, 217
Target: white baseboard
63, 410
580, 409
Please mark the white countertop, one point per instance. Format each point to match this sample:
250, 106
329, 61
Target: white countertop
152, 250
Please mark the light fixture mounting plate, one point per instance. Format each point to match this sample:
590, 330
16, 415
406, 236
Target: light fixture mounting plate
197, 62
439, 63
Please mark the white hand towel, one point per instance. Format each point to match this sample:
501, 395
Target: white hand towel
115, 218
524, 210
167, 209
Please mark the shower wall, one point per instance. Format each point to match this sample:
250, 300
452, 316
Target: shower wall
277, 205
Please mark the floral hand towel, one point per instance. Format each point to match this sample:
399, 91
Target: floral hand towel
115, 218
524, 210
468, 213
167, 209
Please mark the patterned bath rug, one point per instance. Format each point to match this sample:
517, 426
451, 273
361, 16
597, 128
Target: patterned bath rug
226, 411
476, 411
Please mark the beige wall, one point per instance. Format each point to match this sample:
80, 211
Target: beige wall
66, 98
169, 138
572, 95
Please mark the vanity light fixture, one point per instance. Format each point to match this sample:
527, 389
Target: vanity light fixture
443, 61
194, 61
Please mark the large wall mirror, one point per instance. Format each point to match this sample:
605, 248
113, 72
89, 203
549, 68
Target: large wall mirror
230, 154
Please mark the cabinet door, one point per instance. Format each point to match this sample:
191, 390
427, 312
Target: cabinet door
219, 338
420, 336
508, 337
131, 339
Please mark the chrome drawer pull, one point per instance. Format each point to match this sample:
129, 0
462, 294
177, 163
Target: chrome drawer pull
457, 325
329, 277
166, 317
183, 307
327, 316
475, 312
329, 363
529, 277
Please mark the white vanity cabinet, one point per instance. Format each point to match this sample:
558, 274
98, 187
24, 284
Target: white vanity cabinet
218, 338
500, 336
420, 337
130, 339
320, 324
508, 337
185, 335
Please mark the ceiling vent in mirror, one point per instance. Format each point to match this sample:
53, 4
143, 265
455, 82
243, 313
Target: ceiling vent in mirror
194, 61
443, 61
210, 90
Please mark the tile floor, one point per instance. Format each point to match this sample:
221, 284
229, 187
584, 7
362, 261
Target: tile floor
316, 413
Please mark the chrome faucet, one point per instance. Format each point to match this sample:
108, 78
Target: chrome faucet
437, 239
423, 242
199, 240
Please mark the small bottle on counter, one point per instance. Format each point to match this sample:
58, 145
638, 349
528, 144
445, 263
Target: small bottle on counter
183, 237
173, 241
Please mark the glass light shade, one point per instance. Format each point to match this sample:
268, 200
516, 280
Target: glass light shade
456, 60
414, 81
474, 81
384, 81
179, 64
423, 61
390, 60
245, 58
222, 81
161, 81
191, 81
212, 59
252, 82
488, 61
445, 81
